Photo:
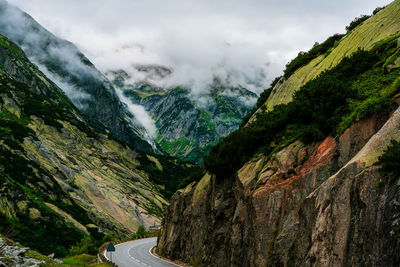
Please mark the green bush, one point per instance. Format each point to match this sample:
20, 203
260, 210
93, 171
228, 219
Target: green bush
357, 21
303, 59
260, 101
141, 233
265, 94
85, 246
390, 160
193, 177
377, 10
379, 185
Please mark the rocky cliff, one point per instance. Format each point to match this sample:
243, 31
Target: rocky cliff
60, 179
301, 200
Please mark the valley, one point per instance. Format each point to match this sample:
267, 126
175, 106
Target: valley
305, 173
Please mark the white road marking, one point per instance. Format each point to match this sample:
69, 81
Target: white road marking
133, 258
151, 253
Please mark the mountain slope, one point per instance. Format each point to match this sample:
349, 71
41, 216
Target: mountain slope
188, 125
60, 179
312, 182
62, 61
380, 26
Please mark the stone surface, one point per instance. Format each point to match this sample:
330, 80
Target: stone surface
15, 256
326, 211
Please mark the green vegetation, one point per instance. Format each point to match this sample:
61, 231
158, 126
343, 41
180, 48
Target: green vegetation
303, 58
11, 47
357, 21
379, 185
265, 94
141, 233
36, 226
377, 10
172, 174
193, 177
356, 88
260, 101
177, 147
390, 160
83, 260
85, 246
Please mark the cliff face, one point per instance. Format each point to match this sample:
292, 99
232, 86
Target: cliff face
307, 205
323, 203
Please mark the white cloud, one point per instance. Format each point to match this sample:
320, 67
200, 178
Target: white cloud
141, 115
247, 41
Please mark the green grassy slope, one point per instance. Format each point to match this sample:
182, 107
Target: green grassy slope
384, 24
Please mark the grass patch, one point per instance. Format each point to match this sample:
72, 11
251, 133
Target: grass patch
83, 261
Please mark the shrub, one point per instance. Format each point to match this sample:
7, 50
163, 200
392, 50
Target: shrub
193, 177
357, 21
379, 185
303, 59
260, 101
377, 10
390, 160
172, 174
141, 233
85, 246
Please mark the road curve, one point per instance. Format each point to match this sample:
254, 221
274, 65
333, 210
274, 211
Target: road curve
137, 254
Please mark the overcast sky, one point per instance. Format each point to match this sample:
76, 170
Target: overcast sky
246, 40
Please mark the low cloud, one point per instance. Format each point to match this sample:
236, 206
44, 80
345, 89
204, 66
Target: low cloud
77, 97
44, 49
247, 42
65, 65
141, 116
248, 101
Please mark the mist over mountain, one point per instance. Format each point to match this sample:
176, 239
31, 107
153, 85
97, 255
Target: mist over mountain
186, 123
247, 42
87, 87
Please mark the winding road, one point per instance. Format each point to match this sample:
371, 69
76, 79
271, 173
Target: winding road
137, 254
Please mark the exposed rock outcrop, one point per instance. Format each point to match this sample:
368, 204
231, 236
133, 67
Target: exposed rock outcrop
11, 255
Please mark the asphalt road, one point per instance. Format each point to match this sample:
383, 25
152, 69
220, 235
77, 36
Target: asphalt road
137, 254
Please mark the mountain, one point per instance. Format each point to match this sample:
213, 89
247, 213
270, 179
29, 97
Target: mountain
62, 61
187, 124
61, 180
311, 178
